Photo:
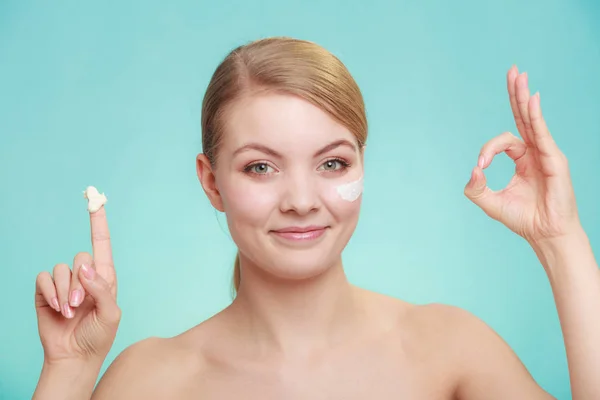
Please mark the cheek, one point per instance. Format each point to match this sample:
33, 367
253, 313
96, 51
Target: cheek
343, 201
248, 202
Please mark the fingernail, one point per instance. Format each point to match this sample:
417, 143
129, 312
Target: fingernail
55, 304
472, 177
67, 311
480, 161
88, 271
536, 101
76, 297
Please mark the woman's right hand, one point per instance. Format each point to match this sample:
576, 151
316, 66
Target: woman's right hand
76, 309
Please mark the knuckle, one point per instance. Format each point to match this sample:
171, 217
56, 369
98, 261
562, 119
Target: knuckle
509, 135
60, 269
75, 274
100, 236
476, 195
105, 264
75, 283
82, 254
100, 283
43, 277
563, 159
113, 316
116, 314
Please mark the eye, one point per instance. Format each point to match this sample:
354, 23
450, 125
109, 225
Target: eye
259, 168
334, 164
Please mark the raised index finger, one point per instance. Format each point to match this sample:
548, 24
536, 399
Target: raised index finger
102, 251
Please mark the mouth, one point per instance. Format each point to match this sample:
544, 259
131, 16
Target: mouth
297, 233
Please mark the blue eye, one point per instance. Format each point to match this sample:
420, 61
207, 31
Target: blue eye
334, 165
258, 168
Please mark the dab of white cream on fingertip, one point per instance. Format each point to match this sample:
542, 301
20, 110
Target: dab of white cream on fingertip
95, 199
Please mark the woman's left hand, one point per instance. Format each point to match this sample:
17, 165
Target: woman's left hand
539, 202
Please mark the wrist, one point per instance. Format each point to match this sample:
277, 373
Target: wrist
567, 257
68, 379
73, 363
572, 241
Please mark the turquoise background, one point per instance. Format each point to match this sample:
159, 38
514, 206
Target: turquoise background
109, 94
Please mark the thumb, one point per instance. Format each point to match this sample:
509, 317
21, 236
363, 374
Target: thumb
479, 193
97, 287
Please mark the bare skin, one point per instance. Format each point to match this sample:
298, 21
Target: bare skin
297, 328
404, 351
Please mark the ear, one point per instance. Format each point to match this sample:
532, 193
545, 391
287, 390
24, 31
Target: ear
208, 182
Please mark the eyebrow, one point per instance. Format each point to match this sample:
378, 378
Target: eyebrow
273, 153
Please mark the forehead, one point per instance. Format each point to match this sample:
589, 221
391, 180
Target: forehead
280, 121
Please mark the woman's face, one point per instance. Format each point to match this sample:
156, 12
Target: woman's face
289, 179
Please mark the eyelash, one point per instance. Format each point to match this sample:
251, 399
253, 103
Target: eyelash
344, 165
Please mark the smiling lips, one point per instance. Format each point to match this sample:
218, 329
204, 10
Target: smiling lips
298, 233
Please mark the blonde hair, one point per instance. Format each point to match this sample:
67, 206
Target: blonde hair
281, 65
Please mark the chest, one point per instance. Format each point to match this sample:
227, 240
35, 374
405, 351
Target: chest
377, 374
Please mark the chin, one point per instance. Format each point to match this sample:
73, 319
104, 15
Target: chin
299, 263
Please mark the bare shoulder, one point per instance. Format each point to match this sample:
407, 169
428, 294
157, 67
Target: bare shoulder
153, 368
485, 364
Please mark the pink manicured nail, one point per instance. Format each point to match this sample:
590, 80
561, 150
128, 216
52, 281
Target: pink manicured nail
480, 161
536, 101
76, 297
88, 271
522, 83
67, 311
55, 304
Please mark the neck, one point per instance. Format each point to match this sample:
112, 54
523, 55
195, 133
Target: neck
296, 317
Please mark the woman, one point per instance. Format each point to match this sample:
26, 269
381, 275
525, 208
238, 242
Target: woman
284, 131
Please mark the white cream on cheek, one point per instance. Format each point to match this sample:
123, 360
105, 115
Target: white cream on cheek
253, 200
350, 191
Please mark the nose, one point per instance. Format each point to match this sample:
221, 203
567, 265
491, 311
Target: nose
300, 194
